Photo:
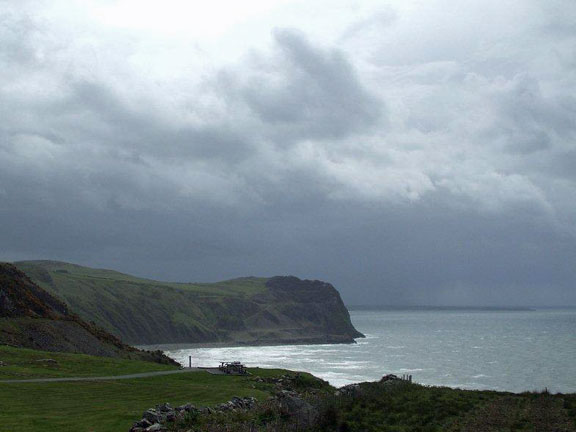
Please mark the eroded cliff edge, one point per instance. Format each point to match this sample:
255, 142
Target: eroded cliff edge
255, 311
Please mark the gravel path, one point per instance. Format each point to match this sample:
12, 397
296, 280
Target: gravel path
101, 378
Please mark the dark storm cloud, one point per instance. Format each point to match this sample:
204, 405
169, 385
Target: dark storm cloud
421, 159
315, 93
141, 132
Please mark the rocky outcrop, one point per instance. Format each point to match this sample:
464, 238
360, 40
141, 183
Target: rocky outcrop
158, 418
287, 404
315, 302
299, 410
30, 317
20, 297
251, 311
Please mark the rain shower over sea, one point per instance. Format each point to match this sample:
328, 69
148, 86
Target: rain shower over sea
472, 349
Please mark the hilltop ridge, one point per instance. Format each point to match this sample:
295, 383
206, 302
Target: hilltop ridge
246, 310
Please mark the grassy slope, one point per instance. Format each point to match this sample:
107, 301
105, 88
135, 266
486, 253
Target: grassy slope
101, 406
25, 363
111, 405
136, 306
244, 310
235, 287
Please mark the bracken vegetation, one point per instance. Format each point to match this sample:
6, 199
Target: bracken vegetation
401, 407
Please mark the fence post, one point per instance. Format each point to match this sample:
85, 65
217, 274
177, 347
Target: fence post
189, 361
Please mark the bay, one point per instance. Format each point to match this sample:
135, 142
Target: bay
472, 349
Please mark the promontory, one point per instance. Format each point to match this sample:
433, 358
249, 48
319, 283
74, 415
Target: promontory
248, 310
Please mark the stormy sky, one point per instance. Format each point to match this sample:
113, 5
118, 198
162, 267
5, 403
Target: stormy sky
408, 151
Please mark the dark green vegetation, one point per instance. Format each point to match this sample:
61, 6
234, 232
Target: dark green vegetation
410, 407
245, 310
403, 407
103, 406
30, 317
536, 412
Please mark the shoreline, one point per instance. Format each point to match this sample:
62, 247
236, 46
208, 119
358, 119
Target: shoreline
384, 308
232, 344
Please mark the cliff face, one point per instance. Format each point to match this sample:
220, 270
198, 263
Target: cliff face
304, 309
279, 310
30, 317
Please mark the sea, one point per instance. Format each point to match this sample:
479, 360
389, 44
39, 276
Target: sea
506, 350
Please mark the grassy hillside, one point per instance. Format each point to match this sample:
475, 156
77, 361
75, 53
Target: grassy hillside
31, 317
101, 406
22, 363
243, 310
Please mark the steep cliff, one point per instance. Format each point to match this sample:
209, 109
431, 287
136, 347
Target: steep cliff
279, 310
30, 317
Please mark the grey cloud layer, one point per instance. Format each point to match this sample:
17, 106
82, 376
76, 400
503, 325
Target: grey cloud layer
428, 157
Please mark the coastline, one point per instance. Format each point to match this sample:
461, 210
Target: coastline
502, 351
239, 344
385, 308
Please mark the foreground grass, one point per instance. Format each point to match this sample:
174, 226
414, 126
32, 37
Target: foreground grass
25, 363
404, 408
101, 406
417, 408
529, 412
111, 405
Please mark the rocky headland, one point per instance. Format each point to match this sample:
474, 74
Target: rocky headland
243, 311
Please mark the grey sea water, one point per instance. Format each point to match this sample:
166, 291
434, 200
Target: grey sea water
501, 350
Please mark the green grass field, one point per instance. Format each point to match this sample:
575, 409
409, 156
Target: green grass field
110, 405
25, 363
101, 406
